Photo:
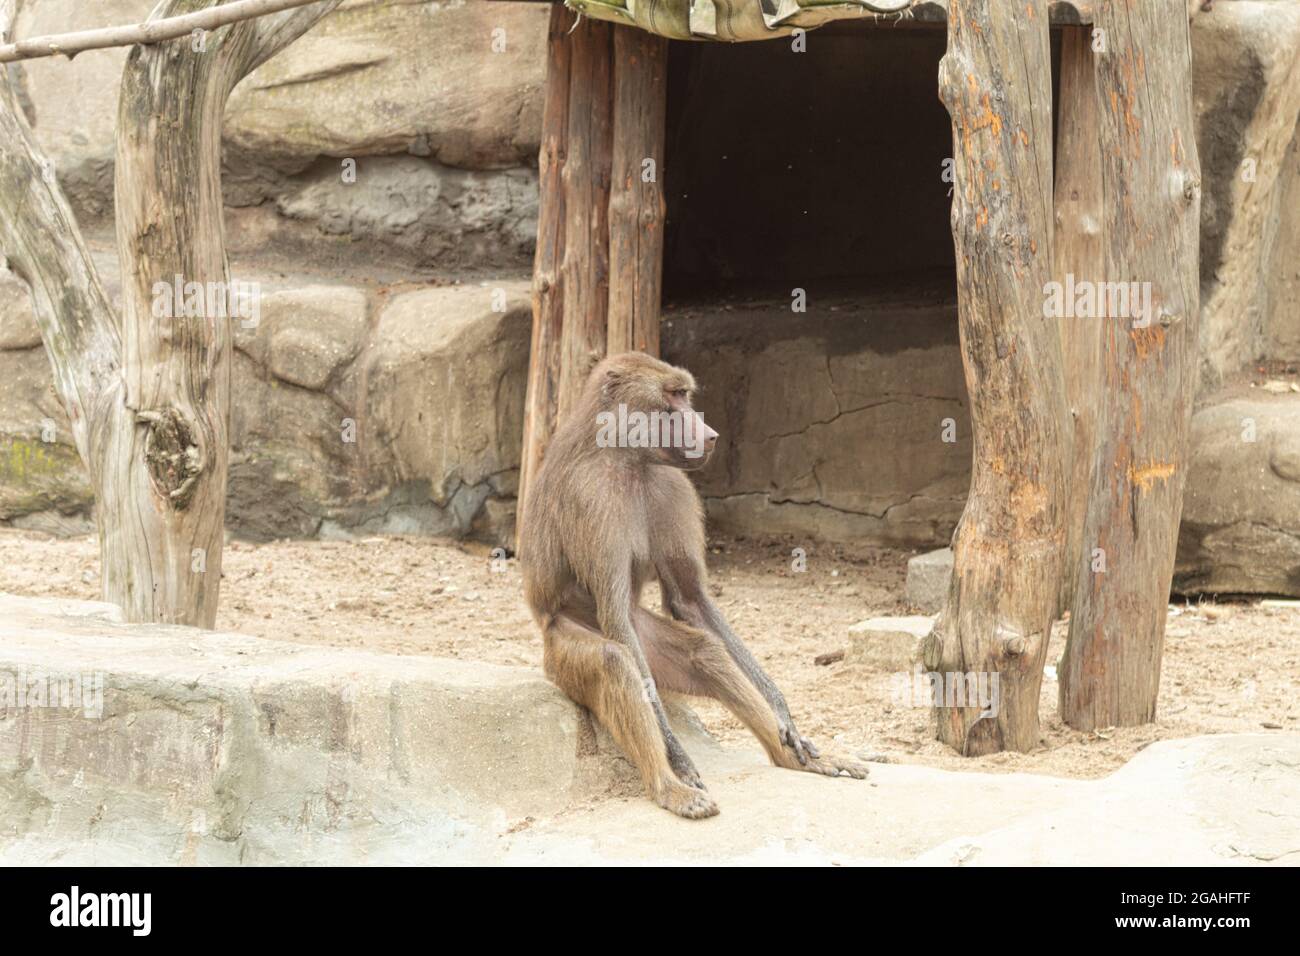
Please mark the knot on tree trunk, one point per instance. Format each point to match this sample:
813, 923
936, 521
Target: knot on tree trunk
172, 454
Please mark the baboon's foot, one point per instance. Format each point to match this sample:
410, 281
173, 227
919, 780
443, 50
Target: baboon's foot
828, 764
685, 801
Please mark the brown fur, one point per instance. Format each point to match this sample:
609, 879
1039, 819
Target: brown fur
599, 524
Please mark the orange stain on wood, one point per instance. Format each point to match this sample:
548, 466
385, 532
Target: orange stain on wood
1148, 340
1146, 476
989, 119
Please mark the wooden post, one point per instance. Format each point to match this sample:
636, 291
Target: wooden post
636, 202
1078, 257
996, 82
585, 183
1150, 173
542, 399
571, 270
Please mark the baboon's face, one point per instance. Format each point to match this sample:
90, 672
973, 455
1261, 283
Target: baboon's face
656, 399
691, 444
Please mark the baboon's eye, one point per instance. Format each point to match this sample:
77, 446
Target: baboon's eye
679, 393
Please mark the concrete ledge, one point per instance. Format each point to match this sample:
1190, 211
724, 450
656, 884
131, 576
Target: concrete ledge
219, 749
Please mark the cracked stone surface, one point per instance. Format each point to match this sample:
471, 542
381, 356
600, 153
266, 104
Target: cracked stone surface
215, 748
848, 422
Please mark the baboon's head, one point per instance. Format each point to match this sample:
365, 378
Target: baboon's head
644, 407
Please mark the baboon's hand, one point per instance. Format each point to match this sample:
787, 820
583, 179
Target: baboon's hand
683, 766
803, 747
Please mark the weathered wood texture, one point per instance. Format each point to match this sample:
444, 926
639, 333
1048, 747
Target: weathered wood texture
926, 12
995, 80
1150, 175
544, 358
636, 202
598, 271
1078, 256
585, 182
148, 395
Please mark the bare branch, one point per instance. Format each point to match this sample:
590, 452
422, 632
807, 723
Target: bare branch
156, 31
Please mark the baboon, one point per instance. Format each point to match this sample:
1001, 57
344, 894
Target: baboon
608, 512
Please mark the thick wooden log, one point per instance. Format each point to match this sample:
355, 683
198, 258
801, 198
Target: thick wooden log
636, 202
1110, 674
544, 358
163, 491
148, 394
1078, 257
995, 80
585, 180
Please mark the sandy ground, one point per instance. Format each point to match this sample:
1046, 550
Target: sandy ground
1228, 667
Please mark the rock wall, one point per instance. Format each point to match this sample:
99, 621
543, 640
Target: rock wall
1282, 320
356, 410
437, 104
1241, 513
848, 422
381, 189
1246, 61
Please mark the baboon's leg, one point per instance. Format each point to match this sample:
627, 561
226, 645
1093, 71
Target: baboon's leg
688, 660
582, 611
601, 675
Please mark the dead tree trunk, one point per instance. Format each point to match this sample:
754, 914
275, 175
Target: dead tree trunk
571, 274
1078, 256
585, 183
995, 80
544, 357
636, 203
148, 395
1150, 180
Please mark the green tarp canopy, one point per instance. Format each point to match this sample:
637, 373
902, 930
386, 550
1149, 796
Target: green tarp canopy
732, 20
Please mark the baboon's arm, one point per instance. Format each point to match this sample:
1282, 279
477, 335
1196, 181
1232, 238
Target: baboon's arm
687, 599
